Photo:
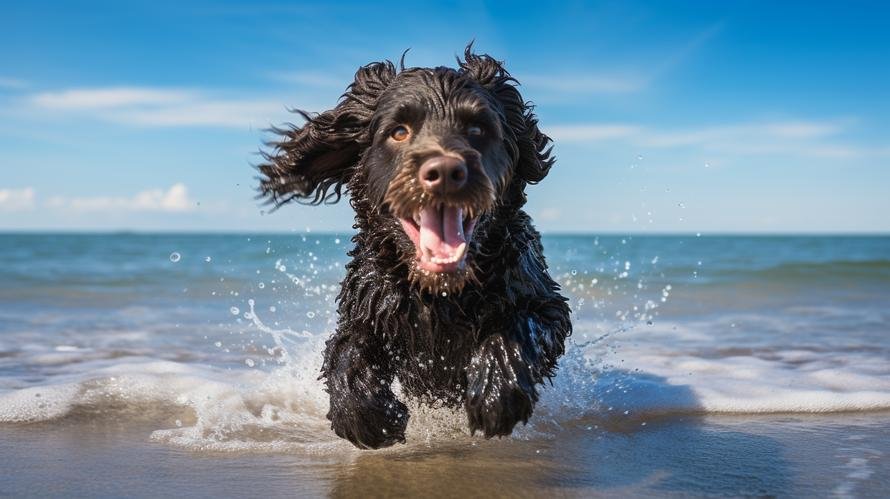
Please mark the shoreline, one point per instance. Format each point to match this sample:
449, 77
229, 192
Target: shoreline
801, 455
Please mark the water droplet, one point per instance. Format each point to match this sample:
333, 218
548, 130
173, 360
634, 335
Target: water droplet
175, 257
444, 294
261, 285
235, 310
272, 308
574, 272
178, 423
208, 259
249, 362
310, 315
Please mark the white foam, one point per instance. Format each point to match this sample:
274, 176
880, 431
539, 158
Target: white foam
646, 371
708, 374
38, 403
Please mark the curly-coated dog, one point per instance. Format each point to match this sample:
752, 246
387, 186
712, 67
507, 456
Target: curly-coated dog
447, 290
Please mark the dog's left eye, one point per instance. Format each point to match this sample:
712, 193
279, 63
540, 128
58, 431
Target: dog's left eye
400, 133
474, 130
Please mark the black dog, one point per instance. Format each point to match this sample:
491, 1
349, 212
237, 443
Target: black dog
448, 290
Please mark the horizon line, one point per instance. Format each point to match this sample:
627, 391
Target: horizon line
558, 233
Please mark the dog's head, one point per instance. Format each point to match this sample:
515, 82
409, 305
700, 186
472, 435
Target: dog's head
426, 152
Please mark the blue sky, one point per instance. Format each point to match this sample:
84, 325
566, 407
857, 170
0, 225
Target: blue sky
667, 116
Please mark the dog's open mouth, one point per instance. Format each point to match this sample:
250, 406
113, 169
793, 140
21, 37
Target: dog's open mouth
441, 235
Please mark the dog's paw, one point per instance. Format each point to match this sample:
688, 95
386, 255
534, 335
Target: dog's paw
500, 390
371, 423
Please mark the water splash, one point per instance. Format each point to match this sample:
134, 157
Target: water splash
285, 339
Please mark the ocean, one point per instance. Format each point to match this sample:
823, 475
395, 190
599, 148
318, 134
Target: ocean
187, 364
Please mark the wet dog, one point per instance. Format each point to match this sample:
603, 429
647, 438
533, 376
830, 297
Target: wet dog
448, 289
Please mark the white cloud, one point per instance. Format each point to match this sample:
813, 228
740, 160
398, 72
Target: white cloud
112, 97
222, 113
618, 82
584, 84
12, 200
800, 138
313, 78
146, 106
13, 83
548, 214
591, 133
743, 134
681, 54
173, 200
804, 129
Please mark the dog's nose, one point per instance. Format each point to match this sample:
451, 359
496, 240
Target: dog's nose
443, 174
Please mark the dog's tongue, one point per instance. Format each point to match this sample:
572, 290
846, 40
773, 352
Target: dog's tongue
442, 232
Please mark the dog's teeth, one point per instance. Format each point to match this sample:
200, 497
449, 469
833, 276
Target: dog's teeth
460, 251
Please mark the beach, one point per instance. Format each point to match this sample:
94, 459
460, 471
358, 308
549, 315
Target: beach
186, 364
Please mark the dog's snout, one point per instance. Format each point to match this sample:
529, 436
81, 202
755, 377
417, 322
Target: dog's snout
443, 174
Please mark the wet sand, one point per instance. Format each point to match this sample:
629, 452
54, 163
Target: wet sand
775, 455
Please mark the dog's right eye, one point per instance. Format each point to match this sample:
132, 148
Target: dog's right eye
400, 133
474, 131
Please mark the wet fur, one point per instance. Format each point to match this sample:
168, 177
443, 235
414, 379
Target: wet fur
483, 339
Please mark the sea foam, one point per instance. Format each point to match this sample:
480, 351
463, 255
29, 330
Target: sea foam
625, 378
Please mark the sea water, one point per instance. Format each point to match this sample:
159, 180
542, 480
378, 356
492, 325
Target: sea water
212, 343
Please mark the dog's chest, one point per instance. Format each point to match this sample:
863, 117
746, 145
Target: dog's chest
436, 354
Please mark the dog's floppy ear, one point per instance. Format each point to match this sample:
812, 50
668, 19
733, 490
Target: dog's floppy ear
530, 148
312, 162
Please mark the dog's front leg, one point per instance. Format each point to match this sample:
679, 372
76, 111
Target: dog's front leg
502, 375
363, 409
500, 388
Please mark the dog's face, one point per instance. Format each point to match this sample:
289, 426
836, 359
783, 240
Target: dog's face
430, 150
436, 163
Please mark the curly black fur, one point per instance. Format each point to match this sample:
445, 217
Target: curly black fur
484, 337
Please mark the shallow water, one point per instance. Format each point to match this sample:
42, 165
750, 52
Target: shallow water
133, 364
798, 455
